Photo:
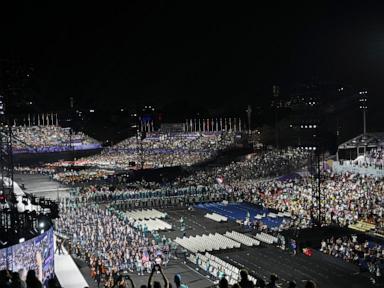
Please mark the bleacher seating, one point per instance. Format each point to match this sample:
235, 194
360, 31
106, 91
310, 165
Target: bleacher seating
145, 214
243, 239
50, 138
216, 266
154, 224
207, 243
266, 238
216, 217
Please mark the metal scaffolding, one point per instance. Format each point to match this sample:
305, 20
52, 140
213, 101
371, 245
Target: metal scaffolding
6, 161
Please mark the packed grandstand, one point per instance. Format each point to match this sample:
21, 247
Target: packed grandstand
128, 230
50, 138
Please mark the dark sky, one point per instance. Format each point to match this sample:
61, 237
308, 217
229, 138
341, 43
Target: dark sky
223, 53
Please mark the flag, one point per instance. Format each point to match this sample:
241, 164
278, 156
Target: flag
145, 257
220, 180
186, 125
240, 124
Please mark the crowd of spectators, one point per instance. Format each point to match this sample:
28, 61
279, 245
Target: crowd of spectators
115, 247
376, 158
346, 198
72, 177
49, 137
155, 151
261, 165
24, 279
121, 279
367, 255
42, 170
161, 150
109, 242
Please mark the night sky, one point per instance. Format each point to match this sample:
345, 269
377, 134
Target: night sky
220, 55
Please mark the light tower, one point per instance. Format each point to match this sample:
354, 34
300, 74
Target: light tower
363, 101
6, 157
249, 115
276, 105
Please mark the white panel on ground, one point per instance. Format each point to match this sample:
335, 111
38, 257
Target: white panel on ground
67, 272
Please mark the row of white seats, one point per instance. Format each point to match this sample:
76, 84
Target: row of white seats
243, 239
284, 214
154, 224
207, 243
145, 214
273, 215
216, 217
216, 266
266, 238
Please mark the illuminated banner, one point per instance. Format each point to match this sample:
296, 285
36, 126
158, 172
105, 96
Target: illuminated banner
35, 254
